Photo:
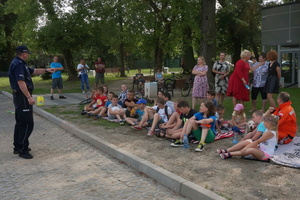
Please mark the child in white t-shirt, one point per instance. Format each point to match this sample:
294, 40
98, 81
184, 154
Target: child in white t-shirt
115, 111
155, 116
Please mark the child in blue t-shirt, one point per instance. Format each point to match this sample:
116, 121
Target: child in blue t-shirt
102, 112
210, 95
260, 129
257, 117
139, 111
202, 125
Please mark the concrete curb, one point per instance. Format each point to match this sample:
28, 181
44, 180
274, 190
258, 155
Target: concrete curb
164, 177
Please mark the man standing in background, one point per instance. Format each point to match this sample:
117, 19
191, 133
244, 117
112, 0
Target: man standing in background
100, 70
57, 81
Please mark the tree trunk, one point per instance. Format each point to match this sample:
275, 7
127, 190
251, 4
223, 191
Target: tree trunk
208, 43
158, 57
69, 65
188, 57
121, 52
236, 51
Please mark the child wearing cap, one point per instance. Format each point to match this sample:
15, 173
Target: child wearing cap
238, 116
137, 111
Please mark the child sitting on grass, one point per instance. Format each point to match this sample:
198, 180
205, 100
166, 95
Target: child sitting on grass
238, 117
210, 95
139, 111
98, 101
220, 110
262, 148
174, 120
155, 116
102, 111
202, 124
129, 102
115, 111
185, 113
123, 94
257, 117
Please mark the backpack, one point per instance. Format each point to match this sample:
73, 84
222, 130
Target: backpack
166, 110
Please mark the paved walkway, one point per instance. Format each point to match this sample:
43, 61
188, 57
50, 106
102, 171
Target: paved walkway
65, 167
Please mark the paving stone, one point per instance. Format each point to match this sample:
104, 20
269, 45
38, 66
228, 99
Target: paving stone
66, 168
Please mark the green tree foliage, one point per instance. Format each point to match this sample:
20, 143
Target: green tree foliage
16, 24
121, 31
238, 26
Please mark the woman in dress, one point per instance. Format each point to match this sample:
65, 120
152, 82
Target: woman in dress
260, 75
200, 86
274, 74
238, 81
221, 68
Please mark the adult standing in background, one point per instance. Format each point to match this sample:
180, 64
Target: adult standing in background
100, 70
260, 75
21, 84
221, 68
238, 81
274, 74
83, 68
200, 86
57, 81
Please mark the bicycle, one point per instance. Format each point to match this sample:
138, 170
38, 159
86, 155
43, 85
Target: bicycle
86, 101
169, 84
188, 85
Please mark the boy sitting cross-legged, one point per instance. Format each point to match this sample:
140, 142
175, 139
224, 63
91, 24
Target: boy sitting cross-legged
115, 111
155, 116
139, 111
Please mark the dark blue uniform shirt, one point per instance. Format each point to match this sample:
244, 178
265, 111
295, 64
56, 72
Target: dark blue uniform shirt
18, 71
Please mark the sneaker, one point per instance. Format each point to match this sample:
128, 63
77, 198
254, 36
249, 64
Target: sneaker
177, 143
200, 147
62, 97
121, 123
52, 98
97, 117
83, 92
150, 132
83, 112
136, 127
89, 114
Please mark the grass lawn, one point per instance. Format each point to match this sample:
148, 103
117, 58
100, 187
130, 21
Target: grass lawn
43, 87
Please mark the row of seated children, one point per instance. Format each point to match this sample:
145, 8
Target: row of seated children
261, 143
276, 126
101, 106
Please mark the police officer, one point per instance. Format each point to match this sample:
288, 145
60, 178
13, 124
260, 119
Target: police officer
22, 86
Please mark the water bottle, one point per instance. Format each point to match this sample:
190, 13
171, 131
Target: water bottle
185, 142
235, 139
247, 86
